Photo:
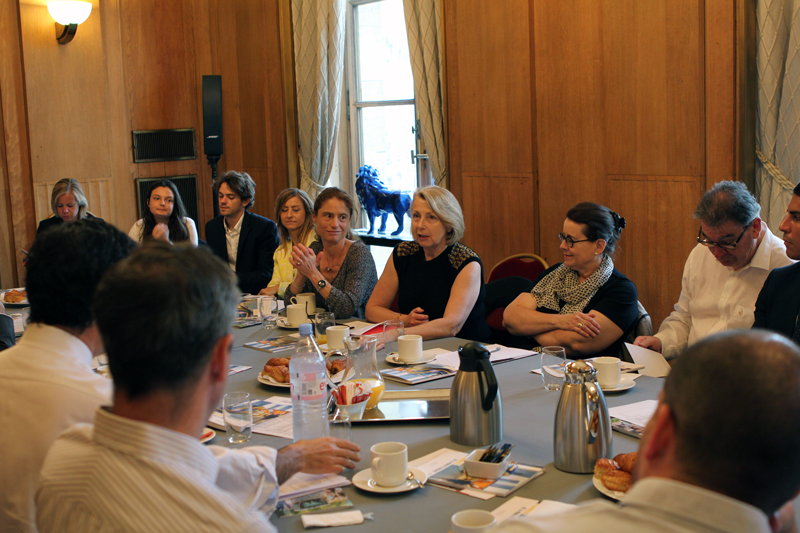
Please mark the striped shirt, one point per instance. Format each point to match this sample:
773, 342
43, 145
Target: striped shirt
126, 475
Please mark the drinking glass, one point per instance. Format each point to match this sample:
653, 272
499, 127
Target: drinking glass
238, 414
340, 426
553, 360
268, 310
322, 321
392, 329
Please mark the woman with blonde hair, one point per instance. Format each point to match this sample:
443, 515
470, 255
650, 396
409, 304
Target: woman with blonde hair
437, 280
68, 203
293, 214
337, 268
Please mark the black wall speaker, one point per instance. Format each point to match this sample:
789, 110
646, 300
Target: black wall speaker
212, 115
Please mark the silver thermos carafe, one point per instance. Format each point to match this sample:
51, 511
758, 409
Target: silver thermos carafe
582, 432
476, 410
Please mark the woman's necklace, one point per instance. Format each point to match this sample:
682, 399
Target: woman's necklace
332, 263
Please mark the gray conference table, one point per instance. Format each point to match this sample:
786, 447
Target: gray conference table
528, 414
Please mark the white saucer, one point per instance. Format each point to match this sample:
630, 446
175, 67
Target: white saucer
208, 434
268, 380
282, 323
613, 494
363, 480
395, 360
624, 384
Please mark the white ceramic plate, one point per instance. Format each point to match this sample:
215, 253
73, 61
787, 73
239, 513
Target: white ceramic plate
284, 324
363, 480
613, 494
23, 303
208, 434
624, 384
394, 359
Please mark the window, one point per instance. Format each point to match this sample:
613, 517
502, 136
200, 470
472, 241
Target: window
380, 88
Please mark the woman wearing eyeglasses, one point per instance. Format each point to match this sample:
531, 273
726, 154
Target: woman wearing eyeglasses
583, 304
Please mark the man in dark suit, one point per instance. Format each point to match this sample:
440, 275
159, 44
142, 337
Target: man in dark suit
243, 240
778, 303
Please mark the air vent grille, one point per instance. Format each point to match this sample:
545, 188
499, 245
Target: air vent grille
163, 145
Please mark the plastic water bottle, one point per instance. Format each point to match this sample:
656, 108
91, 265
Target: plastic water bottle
309, 389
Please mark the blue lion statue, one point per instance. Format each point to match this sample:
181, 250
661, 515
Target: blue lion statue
378, 200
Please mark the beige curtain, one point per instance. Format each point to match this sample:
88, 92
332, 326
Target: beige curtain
423, 24
319, 49
778, 133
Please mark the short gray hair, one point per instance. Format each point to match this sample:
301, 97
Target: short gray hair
727, 200
445, 206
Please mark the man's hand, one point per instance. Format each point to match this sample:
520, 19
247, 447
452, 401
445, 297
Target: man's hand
326, 455
652, 343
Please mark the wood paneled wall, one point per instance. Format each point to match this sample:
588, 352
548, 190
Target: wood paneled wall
136, 65
622, 102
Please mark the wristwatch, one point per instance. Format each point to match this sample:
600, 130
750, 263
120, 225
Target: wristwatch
322, 284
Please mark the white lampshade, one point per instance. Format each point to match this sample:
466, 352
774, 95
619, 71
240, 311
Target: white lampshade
69, 12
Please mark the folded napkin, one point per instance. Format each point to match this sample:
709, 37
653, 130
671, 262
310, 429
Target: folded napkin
346, 518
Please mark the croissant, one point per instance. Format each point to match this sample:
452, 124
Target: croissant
616, 480
335, 366
626, 461
278, 361
604, 465
278, 373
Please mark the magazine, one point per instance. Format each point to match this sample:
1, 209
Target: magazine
245, 322
277, 344
272, 416
324, 500
411, 375
454, 478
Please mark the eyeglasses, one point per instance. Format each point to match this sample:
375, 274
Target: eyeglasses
569, 240
724, 246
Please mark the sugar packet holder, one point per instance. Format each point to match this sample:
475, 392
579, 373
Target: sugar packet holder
345, 518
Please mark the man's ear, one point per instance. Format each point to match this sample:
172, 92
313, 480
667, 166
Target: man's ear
661, 440
756, 223
218, 366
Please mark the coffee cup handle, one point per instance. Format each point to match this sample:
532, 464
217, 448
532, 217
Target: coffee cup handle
376, 465
293, 299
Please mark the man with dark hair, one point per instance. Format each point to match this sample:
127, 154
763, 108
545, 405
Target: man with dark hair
242, 239
719, 289
778, 304
165, 316
721, 452
46, 380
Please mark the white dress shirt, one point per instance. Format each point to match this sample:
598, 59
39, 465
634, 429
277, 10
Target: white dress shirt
138, 228
124, 475
47, 385
232, 240
653, 505
716, 298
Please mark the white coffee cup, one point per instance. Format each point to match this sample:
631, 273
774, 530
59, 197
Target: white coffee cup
336, 336
409, 348
472, 521
296, 314
608, 371
308, 299
389, 463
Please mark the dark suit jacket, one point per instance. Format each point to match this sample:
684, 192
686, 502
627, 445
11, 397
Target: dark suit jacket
258, 241
7, 338
779, 300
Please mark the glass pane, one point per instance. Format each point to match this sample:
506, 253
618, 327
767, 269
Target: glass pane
387, 141
384, 69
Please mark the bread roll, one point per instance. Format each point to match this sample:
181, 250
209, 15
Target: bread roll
604, 465
616, 480
626, 461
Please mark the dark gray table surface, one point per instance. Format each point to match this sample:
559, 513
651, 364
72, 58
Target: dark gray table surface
528, 414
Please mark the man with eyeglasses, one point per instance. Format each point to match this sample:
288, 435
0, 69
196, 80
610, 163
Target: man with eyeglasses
724, 274
778, 304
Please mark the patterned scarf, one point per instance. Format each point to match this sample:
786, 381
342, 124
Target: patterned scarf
562, 286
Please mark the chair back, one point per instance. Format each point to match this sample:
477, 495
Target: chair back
527, 266
642, 326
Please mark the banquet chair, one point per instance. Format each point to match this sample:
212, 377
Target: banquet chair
528, 266
642, 326
507, 280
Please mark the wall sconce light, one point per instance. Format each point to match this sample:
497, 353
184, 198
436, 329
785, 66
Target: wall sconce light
68, 14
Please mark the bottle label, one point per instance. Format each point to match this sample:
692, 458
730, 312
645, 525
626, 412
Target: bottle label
311, 387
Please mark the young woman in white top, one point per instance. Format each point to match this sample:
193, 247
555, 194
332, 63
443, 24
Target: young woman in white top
165, 217
293, 210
